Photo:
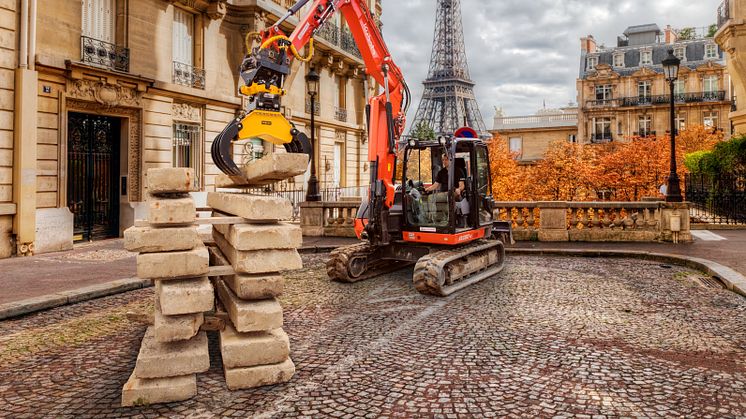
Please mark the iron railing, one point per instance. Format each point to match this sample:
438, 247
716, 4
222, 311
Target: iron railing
187, 75
723, 13
104, 54
316, 107
338, 37
601, 138
330, 32
340, 114
694, 97
717, 199
186, 149
348, 43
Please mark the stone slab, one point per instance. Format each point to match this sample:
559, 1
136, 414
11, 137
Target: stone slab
144, 392
149, 239
269, 169
262, 375
172, 359
261, 236
251, 207
255, 287
258, 261
252, 349
250, 316
173, 211
185, 296
187, 263
170, 180
176, 328
54, 230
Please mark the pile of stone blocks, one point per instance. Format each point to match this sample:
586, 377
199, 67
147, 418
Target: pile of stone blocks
254, 347
171, 252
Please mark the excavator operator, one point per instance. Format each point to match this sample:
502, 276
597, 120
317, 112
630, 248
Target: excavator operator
441, 179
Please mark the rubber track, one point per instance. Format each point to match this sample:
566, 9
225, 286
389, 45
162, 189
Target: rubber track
336, 266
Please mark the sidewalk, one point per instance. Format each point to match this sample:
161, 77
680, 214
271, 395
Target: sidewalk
97, 263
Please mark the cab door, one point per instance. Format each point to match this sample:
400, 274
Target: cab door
483, 185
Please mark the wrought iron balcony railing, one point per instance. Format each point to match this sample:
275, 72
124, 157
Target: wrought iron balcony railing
341, 38
723, 13
187, 75
348, 43
330, 32
601, 138
714, 96
316, 107
340, 114
104, 54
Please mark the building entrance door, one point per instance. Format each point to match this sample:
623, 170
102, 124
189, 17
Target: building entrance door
92, 175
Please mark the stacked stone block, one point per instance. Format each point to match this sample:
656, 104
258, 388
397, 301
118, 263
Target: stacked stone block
255, 349
171, 252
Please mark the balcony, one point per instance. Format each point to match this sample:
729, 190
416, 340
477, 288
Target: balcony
723, 13
339, 38
569, 119
601, 138
316, 109
187, 75
104, 54
603, 103
714, 96
340, 114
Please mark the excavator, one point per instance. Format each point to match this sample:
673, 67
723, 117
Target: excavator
439, 216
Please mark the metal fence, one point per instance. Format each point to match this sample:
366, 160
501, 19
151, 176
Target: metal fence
716, 199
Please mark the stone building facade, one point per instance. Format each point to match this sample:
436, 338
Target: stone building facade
622, 91
731, 36
529, 136
95, 92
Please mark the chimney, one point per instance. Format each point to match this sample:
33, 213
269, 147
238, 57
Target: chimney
670, 36
588, 44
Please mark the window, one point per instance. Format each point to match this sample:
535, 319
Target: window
711, 51
98, 20
572, 138
592, 63
646, 57
618, 60
337, 165
183, 37
680, 53
644, 91
710, 84
601, 129
516, 146
186, 149
603, 92
711, 119
680, 122
679, 87
644, 123
483, 182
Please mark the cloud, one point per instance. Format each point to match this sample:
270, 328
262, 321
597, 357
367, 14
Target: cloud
522, 53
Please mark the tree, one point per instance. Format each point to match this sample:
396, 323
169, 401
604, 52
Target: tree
686, 34
509, 180
423, 132
712, 30
565, 173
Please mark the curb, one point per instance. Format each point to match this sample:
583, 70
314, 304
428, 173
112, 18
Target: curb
733, 280
45, 302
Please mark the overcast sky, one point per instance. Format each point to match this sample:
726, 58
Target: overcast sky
523, 52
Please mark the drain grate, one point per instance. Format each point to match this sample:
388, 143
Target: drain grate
709, 282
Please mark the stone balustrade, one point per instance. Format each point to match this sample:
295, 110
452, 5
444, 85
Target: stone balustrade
329, 219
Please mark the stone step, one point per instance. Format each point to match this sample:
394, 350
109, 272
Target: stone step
188, 263
251, 207
172, 359
261, 375
185, 296
252, 349
165, 180
151, 240
258, 261
250, 316
148, 391
269, 169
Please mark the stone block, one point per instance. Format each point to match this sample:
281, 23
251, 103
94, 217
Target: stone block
144, 391
175, 328
185, 296
251, 349
170, 180
250, 316
149, 239
262, 375
255, 287
251, 207
262, 236
54, 230
172, 359
258, 261
187, 263
174, 211
269, 169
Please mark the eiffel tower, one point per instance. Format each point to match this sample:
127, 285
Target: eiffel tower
448, 100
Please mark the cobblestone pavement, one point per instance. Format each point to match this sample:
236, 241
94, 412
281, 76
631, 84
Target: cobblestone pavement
546, 337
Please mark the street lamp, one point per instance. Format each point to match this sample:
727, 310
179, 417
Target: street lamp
312, 83
671, 70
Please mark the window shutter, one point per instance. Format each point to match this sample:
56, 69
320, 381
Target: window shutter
98, 20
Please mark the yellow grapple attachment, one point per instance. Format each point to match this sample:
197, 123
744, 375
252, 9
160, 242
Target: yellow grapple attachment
270, 126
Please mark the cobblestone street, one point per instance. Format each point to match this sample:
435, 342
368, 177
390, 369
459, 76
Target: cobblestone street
549, 336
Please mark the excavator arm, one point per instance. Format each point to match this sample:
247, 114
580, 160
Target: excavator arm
265, 69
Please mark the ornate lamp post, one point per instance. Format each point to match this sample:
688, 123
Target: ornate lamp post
312, 83
671, 70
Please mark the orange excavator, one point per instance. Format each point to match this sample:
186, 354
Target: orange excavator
439, 216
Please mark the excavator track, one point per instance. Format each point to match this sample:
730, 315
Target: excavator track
446, 271
353, 263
